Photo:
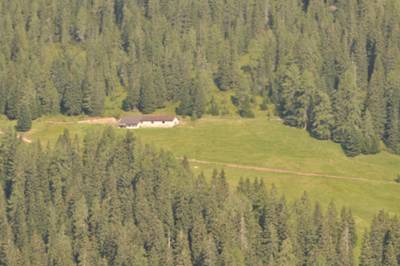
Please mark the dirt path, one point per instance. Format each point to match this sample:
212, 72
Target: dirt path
284, 171
100, 121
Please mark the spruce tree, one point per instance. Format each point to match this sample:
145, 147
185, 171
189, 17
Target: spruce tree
392, 129
366, 258
286, 255
371, 138
321, 118
147, 98
24, 122
376, 98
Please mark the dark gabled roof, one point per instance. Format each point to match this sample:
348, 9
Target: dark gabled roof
135, 120
129, 121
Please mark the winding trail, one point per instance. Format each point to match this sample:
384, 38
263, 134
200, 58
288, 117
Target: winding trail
285, 171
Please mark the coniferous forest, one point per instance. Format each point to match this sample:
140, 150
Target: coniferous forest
110, 200
329, 66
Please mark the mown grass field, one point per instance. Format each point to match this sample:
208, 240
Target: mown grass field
366, 184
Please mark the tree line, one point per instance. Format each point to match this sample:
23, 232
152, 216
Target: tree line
331, 67
110, 200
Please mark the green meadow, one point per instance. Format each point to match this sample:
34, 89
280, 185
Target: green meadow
365, 183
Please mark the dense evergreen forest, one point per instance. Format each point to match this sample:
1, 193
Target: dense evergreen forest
109, 200
329, 66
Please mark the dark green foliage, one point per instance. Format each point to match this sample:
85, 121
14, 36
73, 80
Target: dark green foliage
214, 108
186, 104
24, 122
381, 243
352, 143
113, 201
321, 118
147, 96
193, 101
371, 137
264, 104
227, 76
245, 108
392, 129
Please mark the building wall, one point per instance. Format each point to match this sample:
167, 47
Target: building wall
156, 124
159, 124
132, 127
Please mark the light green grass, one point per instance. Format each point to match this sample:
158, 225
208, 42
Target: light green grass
265, 143
364, 198
259, 142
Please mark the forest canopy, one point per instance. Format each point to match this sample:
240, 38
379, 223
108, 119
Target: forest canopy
331, 67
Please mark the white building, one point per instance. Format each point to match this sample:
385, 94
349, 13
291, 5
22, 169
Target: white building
148, 121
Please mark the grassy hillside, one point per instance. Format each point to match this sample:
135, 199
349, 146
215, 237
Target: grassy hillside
367, 185
364, 183
260, 142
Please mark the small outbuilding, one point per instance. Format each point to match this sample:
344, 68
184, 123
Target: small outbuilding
148, 121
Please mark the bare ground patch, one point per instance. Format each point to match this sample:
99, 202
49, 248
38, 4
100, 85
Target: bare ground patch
100, 121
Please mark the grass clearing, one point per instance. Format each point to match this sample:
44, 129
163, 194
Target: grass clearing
264, 143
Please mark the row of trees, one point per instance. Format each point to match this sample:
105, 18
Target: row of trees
114, 201
380, 246
331, 67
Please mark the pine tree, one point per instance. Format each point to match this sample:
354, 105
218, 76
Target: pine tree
182, 253
38, 251
371, 138
376, 98
199, 101
7, 248
286, 255
214, 109
321, 118
347, 110
366, 258
186, 104
133, 82
294, 98
392, 129
24, 122
147, 99
226, 76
